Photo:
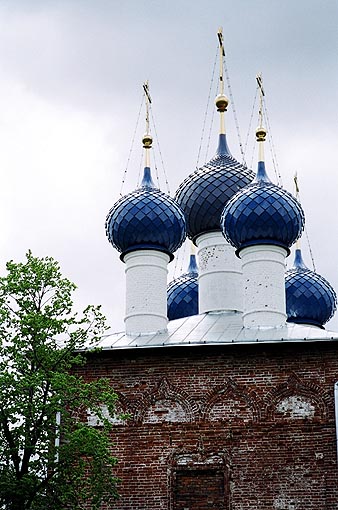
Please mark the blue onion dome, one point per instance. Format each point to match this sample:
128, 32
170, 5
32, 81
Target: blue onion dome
146, 219
182, 293
262, 213
203, 195
310, 299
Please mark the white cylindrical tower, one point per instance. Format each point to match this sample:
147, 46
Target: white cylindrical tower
147, 227
146, 291
262, 221
220, 275
202, 196
263, 284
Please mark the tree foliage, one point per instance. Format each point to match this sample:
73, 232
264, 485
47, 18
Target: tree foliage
49, 456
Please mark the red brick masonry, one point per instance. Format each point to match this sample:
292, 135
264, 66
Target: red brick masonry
225, 427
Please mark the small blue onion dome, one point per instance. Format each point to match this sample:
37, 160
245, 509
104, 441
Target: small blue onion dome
147, 219
310, 299
182, 293
203, 195
262, 213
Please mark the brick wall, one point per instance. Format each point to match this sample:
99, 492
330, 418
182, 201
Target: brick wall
252, 427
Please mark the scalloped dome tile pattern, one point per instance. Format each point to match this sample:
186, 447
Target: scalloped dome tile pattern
182, 296
203, 195
310, 299
147, 218
262, 213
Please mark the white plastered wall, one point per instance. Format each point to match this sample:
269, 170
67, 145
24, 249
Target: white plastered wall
220, 275
264, 286
146, 291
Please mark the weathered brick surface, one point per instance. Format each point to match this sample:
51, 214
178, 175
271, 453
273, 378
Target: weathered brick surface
252, 427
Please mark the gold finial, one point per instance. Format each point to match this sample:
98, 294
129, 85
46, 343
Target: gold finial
260, 131
260, 134
221, 100
147, 139
221, 103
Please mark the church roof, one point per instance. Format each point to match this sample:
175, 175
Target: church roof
203, 195
310, 299
146, 218
215, 329
182, 293
262, 213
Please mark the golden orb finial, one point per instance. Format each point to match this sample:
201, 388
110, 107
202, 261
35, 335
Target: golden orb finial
261, 134
147, 141
221, 103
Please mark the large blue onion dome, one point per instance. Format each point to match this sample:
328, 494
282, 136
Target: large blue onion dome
182, 293
262, 213
203, 195
310, 299
147, 219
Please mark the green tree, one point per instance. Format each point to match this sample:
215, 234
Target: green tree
50, 458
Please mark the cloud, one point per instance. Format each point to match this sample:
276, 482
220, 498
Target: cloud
70, 89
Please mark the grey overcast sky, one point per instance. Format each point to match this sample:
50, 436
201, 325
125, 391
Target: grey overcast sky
71, 74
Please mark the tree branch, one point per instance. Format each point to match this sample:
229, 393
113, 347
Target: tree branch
11, 443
